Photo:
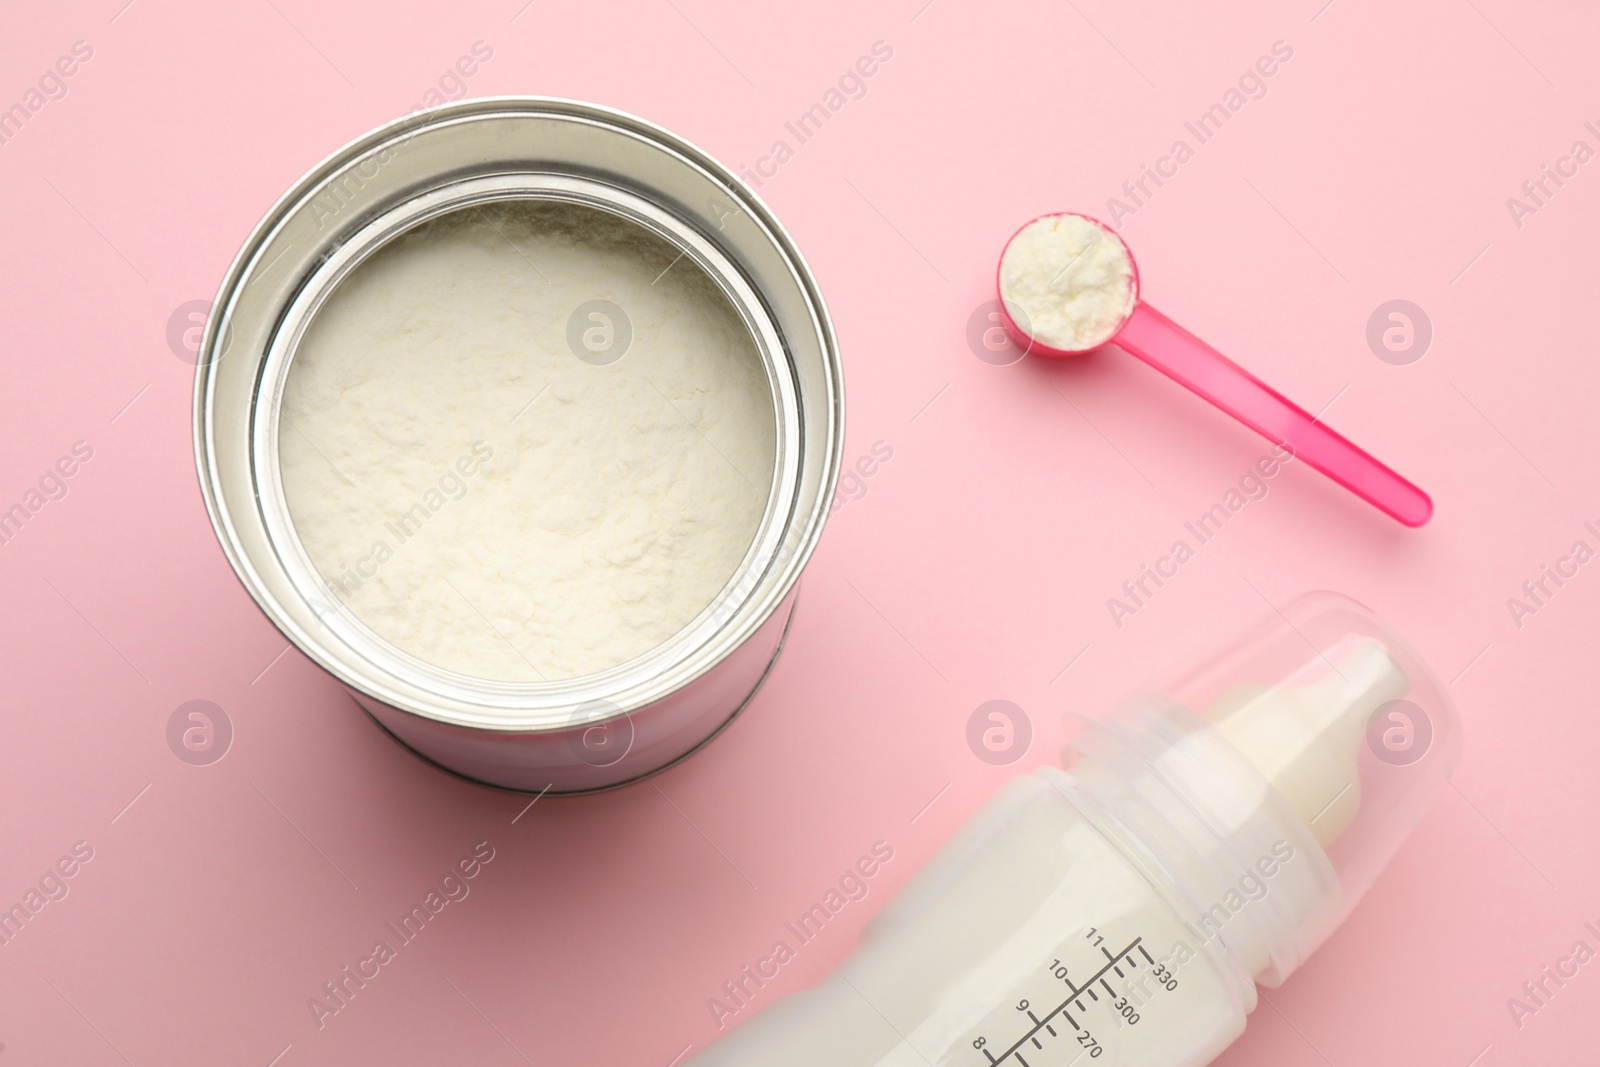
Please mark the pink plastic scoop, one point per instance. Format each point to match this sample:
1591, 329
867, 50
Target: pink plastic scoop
1183, 357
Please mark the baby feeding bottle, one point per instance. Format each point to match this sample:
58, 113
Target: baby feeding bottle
1202, 840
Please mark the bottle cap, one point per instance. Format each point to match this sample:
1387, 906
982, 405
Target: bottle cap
1319, 737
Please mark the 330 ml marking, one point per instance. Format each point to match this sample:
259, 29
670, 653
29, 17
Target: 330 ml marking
1118, 964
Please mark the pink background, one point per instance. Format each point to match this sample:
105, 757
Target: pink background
976, 566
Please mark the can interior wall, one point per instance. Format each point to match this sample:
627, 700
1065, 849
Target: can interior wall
599, 730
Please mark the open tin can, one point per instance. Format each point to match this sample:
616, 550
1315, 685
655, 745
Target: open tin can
595, 731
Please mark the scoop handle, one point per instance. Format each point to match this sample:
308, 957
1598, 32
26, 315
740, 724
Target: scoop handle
1192, 363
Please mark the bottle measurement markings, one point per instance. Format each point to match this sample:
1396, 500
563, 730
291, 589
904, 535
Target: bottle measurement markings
1115, 962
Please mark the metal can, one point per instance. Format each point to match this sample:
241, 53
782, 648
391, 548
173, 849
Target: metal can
587, 733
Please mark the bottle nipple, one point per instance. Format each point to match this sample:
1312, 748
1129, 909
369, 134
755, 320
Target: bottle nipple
1305, 739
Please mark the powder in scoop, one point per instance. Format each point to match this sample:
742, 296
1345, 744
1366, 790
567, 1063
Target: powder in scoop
503, 475
1067, 282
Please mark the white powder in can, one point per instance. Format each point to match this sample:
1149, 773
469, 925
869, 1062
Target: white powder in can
488, 501
1068, 283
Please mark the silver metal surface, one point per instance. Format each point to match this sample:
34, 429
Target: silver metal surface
599, 730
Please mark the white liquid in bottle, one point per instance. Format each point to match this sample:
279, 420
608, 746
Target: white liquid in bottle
1123, 910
